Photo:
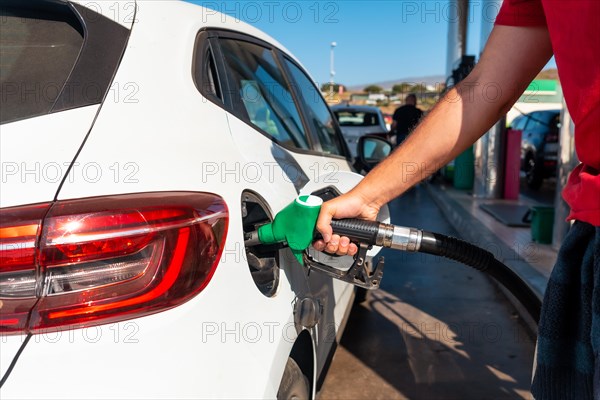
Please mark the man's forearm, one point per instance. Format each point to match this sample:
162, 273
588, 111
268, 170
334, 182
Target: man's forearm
463, 115
436, 141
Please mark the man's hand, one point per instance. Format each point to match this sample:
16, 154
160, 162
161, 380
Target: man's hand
350, 205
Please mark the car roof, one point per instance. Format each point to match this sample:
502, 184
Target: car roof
553, 111
188, 12
355, 108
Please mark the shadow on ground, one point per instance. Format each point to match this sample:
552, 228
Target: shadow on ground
435, 329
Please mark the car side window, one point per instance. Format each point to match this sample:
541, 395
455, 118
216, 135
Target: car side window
260, 93
319, 116
519, 123
357, 118
38, 53
537, 123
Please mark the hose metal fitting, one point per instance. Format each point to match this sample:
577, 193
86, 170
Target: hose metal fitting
405, 239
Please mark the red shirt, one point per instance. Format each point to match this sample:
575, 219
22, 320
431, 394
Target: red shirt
574, 28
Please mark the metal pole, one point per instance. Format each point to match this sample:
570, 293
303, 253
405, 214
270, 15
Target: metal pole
463, 14
331, 71
489, 163
455, 43
567, 160
489, 150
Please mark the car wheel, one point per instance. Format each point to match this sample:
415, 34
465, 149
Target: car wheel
533, 173
294, 384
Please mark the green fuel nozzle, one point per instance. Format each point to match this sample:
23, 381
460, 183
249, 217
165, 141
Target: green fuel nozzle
295, 225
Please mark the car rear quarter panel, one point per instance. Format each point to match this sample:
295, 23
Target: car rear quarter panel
36, 154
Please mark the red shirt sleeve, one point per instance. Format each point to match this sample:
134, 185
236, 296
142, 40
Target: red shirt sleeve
521, 13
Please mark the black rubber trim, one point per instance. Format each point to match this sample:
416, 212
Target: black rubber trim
203, 55
99, 58
14, 361
482, 260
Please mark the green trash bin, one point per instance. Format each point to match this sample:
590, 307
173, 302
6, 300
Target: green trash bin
464, 170
448, 171
542, 224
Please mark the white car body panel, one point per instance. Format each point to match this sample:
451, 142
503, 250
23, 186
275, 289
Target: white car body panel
37, 152
122, 12
229, 341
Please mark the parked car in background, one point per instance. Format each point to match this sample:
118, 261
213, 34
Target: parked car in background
539, 144
357, 121
140, 141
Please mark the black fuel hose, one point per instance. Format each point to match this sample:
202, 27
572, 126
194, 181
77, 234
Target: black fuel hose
414, 240
484, 261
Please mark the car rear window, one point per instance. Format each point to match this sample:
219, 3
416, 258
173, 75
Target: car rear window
519, 123
38, 49
357, 118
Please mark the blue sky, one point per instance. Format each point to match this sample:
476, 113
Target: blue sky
376, 40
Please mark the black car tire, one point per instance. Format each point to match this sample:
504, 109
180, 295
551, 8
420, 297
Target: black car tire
533, 173
294, 384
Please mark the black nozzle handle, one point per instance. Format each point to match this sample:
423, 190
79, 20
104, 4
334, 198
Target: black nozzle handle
358, 230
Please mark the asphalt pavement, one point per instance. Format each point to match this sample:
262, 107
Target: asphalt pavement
434, 330
544, 195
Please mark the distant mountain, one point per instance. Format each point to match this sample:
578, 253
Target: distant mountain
551, 73
387, 85
435, 80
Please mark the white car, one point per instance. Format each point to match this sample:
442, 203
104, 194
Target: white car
139, 143
357, 121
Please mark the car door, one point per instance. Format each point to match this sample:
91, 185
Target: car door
335, 295
277, 114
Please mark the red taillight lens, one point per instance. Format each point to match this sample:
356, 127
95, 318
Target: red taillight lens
19, 230
119, 257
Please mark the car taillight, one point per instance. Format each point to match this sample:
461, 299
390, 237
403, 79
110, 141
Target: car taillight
108, 259
19, 231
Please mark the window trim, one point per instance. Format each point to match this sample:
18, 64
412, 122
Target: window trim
202, 45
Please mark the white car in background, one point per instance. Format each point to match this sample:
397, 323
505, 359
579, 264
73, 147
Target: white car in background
356, 121
139, 143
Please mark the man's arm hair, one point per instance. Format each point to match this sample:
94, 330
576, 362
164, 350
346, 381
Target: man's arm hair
510, 61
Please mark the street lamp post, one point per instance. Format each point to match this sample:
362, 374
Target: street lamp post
331, 71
